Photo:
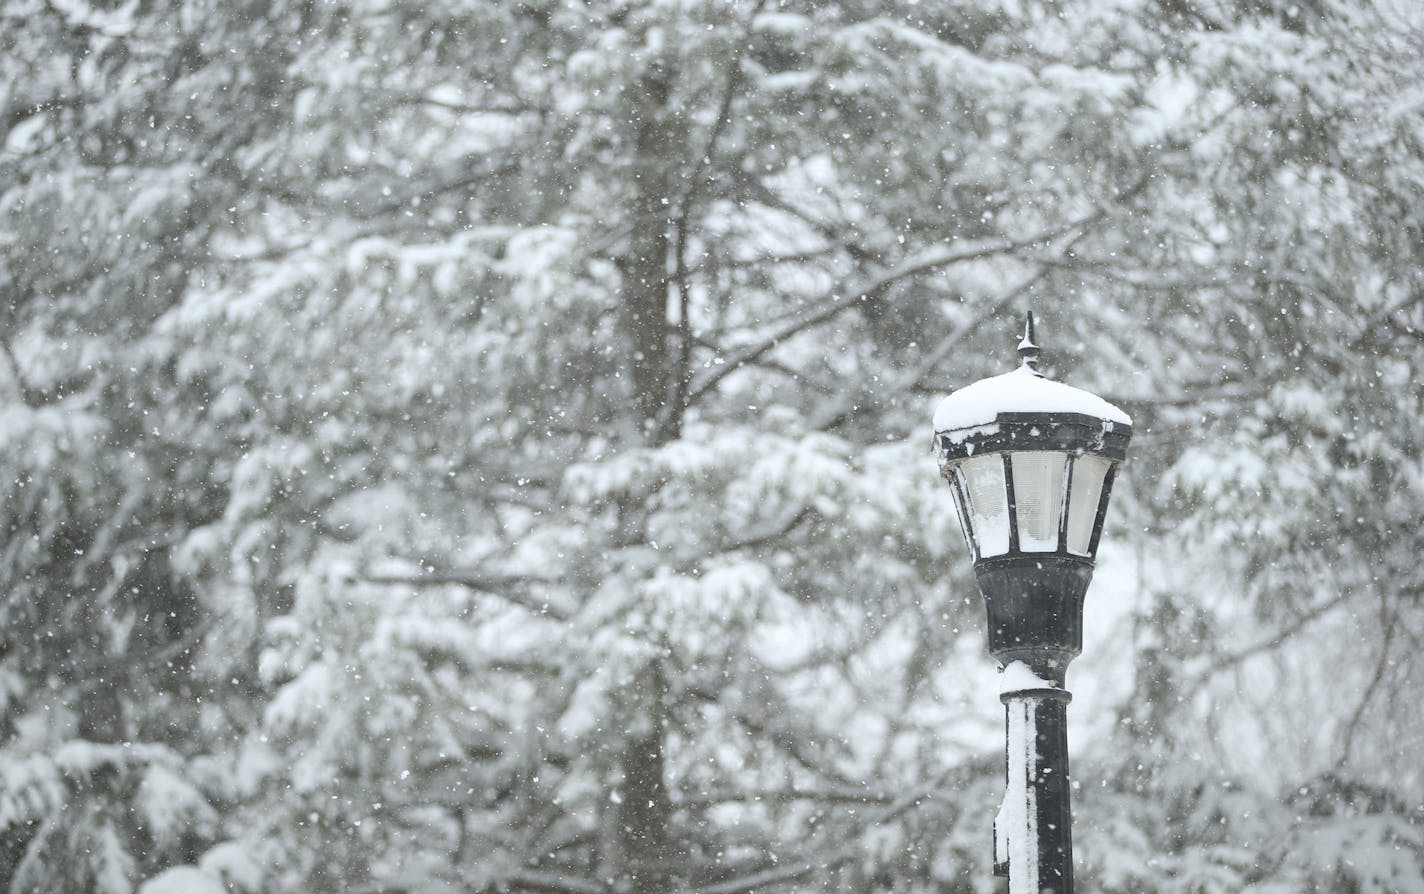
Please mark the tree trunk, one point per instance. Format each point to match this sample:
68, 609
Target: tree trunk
645, 266
644, 814
645, 811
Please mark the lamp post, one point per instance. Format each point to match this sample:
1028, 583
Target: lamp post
1031, 464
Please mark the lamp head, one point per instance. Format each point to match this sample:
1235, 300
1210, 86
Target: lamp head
1031, 464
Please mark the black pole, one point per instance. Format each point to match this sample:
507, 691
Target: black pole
1033, 837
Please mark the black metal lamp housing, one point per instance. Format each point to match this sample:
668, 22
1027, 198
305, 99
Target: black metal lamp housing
1031, 463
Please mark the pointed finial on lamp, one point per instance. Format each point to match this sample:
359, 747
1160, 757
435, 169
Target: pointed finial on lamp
1028, 347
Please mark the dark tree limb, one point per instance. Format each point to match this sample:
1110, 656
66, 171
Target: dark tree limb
875, 289
506, 587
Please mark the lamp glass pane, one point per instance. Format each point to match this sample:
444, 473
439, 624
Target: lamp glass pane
1038, 498
1087, 490
957, 487
988, 503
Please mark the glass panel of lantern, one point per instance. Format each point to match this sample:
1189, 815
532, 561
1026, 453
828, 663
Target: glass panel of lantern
1038, 499
1086, 490
961, 509
987, 495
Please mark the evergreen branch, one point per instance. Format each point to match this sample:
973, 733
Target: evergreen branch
17, 113
1386, 317
1273, 641
777, 875
502, 586
28, 395
1147, 280
833, 414
774, 365
540, 880
755, 191
779, 736
794, 257
821, 657
271, 253
845, 795
840, 852
1371, 688
770, 533
875, 289
86, 21
465, 108
671, 422
1206, 394
723, 117
94, 674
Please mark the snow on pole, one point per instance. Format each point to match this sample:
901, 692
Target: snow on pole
1018, 816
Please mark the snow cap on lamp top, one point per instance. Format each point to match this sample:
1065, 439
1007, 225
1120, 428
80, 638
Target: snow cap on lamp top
1020, 391
1022, 410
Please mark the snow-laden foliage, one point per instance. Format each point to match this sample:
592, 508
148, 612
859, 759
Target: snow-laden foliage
483, 446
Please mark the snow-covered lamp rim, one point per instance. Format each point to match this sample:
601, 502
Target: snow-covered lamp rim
1021, 391
1073, 433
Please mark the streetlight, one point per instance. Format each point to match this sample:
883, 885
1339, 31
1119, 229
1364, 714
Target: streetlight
1031, 463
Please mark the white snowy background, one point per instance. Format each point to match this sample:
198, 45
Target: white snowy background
483, 445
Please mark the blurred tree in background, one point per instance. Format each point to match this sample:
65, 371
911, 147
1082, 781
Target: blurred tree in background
483, 446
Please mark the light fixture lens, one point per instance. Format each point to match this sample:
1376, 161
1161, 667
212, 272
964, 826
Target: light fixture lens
1038, 499
961, 508
988, 503
1084, 496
